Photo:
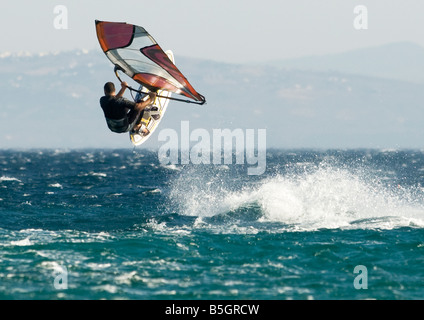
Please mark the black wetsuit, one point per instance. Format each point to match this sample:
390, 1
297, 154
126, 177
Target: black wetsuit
120, 113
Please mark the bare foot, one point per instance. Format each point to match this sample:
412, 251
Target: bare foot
137, 128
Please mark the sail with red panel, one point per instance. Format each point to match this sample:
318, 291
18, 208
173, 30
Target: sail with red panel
134, 51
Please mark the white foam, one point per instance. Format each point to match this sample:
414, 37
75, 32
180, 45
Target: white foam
98, 266
126, 278
56, 267
153, 191
171, 167
22, 243
56, 185
6, 178
108, 288
326, 197
98, 174
335, 198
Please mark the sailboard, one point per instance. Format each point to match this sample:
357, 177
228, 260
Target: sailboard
151, 121
134, 52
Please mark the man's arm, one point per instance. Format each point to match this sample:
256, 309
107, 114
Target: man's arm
150, 100
124, 86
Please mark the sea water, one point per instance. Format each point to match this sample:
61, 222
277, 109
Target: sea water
118, 224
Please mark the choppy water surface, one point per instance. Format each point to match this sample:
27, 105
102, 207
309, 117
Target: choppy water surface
120, 225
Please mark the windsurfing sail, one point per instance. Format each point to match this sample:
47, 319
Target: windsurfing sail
134, 51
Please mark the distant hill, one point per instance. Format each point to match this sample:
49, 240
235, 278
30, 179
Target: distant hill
53, 101
399, 61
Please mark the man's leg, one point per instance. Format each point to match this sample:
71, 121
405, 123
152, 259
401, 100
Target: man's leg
135, 116
144, 113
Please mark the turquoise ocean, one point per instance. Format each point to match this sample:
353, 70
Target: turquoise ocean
118, 224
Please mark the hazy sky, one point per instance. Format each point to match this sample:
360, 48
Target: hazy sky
223, 30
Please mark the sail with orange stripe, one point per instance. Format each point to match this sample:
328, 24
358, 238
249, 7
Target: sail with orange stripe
134, 51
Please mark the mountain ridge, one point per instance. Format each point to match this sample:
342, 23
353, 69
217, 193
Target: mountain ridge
53, 101
399, 60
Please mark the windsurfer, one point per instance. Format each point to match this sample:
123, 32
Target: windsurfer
123, 115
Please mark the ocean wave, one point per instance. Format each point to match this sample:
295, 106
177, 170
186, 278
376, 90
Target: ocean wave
171, 167
6, 178
22, 243
56, 185
326, 197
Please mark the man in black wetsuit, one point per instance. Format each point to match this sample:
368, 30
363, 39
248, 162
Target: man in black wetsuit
123, 115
